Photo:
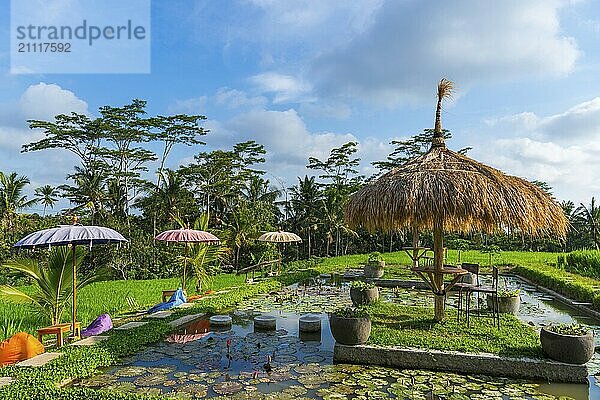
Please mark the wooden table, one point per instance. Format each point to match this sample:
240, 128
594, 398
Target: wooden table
428, 274
415, 254
59, 330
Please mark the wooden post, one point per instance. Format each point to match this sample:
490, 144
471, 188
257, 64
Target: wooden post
184, 266
438, 249
415, 244
74, 289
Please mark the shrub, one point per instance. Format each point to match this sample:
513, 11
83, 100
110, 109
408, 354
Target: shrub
374, 257
349, 312
508, 292
362, 285
569, 329
584, 262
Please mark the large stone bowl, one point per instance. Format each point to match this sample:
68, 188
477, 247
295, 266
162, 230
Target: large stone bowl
350, 331
506, 305
364, 296
373, 271
568, 348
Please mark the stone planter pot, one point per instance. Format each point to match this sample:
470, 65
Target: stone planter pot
506, 305
374, 270
350, 331
468, 278
364, 296
568, 348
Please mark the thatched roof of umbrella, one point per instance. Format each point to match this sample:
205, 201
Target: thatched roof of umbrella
465, 195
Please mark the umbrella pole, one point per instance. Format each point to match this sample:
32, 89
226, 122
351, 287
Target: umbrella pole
184, 267
75, 333
438, 248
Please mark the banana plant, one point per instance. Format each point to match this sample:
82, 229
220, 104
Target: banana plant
53, 282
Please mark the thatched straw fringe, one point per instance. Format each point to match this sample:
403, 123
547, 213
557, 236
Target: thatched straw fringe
466, 195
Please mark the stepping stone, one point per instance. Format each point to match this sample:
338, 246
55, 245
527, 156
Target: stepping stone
90, 341
160, 314
309, 323
5, 381
265, 322
220, 320
184, 320
131, 325
186, 305
39, 360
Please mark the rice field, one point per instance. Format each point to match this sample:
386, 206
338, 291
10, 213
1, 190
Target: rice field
112, 297
118, 297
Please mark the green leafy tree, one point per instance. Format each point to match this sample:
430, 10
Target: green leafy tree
411, 148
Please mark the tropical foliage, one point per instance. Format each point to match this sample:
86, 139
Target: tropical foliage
53, 283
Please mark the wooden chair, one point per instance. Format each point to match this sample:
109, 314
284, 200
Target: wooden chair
464, 287
490, 290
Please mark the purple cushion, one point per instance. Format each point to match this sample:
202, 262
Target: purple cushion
101, 324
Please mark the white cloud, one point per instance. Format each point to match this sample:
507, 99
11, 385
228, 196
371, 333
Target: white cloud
39, 101
285, 88
234, 99
288, 141
44, 101
194, 105
562, 149
579, 123
414, 43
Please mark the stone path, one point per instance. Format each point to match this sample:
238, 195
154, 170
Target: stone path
184, 320
5, 381
90, 341
160, 314
39, 360
130, 325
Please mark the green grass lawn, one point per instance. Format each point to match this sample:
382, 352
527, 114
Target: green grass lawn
98, 298
408, 326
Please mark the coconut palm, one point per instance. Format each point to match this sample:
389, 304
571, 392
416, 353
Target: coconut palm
47, 195
12, 198
53, 282
589, 218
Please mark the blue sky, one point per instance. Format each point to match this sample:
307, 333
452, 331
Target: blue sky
304, 76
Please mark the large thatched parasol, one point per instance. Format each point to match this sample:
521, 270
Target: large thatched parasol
446, 191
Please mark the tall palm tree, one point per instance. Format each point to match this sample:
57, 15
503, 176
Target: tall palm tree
89, 191
589, 218
306, 203
47, 195
53, 282
12, 198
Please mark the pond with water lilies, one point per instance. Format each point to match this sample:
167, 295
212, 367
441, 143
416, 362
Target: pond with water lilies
240, 363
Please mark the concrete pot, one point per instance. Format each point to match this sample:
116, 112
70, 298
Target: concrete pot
350, 331
374, 270
568, 348
364, 296
506, 305
468, 278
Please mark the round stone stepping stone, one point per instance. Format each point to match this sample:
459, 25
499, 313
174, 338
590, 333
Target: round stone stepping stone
309, 323
265, 322
220, 321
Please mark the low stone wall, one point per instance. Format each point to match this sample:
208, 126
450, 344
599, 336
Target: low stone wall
464, 363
